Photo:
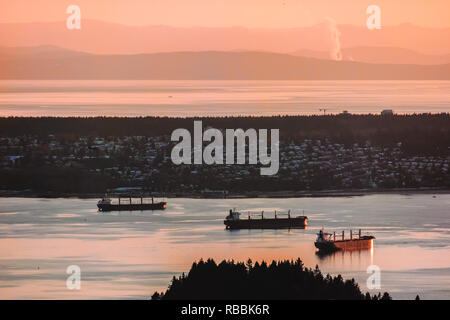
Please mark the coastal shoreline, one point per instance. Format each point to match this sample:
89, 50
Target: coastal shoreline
242, 195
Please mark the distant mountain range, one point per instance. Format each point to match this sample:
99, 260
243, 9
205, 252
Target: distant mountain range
49, 62
111, 38
389, 55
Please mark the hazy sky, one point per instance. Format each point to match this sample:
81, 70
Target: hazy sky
249, 13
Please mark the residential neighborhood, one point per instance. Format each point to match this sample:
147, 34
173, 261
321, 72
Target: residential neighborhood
144, 162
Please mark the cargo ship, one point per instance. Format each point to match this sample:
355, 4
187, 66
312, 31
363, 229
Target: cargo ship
327, 242
233, 221
127, 204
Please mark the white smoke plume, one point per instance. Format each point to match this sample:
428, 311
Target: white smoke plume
335, 52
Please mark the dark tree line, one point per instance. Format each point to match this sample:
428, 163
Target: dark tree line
284, 280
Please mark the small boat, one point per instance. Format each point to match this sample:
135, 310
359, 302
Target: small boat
106, 204
233, 221
327, 242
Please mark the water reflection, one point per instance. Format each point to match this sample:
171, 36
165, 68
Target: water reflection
362, 256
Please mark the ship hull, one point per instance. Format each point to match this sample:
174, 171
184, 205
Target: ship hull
132, 207
354, 244
298, 222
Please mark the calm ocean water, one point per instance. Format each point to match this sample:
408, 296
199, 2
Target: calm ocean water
132, 254
218, 98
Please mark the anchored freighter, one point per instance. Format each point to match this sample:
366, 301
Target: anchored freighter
327, 242
233, 221
127, 204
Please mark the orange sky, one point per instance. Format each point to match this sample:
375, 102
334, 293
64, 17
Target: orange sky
249, 13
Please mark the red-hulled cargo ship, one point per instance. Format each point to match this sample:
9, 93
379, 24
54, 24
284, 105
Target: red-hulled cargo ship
327, 242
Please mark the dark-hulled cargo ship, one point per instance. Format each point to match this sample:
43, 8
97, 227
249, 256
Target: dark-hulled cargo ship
233, 221
327, 242
106, 204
